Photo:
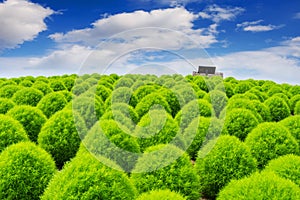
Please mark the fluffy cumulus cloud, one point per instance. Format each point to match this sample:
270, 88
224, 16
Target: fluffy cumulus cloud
256, 26
178, 19
218, 14
280, 63
21, 21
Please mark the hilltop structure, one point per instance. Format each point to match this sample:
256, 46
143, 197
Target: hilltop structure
207, 71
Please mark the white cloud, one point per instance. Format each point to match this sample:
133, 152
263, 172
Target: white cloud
169, 2
21, 21
297, 15
279, 63
178, 19
218, 14
255, 26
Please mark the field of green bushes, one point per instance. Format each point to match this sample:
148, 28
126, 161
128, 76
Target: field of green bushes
145, 137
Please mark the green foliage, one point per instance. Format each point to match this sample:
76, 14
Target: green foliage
85, 177
239, 122
278, 108
57, 85
151, 101
199, 131
260, 186
242, 87
5, 105
51, 103
126, 110
121, 95
192, 110
218, 99
68, 82
201, 82
293, 102
270, 140
275, 89
225, 87
143, 91
287, 166
8, 91
31, 118
292, 123
295, 90
262, 110
110, 139
222, 160
172, 99
119, 118
79, 89
11, 132
60, 136
156, 127
89, 109
161, 195
103, 92
26, 83
124, 82
25, 170
297, 108
43, 87
158, 168
27, 96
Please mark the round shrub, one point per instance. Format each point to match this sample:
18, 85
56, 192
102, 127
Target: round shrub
157, 169
262, 110
109, 139
57, 85
278, 108
121, 95
292, 102
260, 186
185, 93
242, 87
103, 92
292, 123
199, 132
11, 132
270, 140
151, 101
126, 110
244, 104
31, 118
119, 118
51, 103
275, 89
85, 177
143, 91
25, 170
89, 109
26, 83
295, 90
172, 100
27, 96
222, 160
79, 89
68, 82
156, 127
60, 136
225, 87
239, 122
201, 82
287, 166
161, 194
9, 90
256, 91
43, 87
124, 82
297, 108
218, 100
5, 105
192, 110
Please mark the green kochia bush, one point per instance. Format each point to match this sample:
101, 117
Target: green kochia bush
218, 99
221, 160
156, 127
199, 132
31, 118
11, 131
152, 100
239, 122
297, 108
9, 90
27, 96
25, 170
158, 168
60, 135
287, 166
161, 195
57, 85
278, 108
85, 177
292, 123
260, 186
5, 105
293, 102
51, 103
270, 140
43, 87
110, 139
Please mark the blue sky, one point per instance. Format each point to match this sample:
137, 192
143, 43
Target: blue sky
244, 39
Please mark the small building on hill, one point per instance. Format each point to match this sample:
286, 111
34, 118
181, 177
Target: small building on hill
207, 71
